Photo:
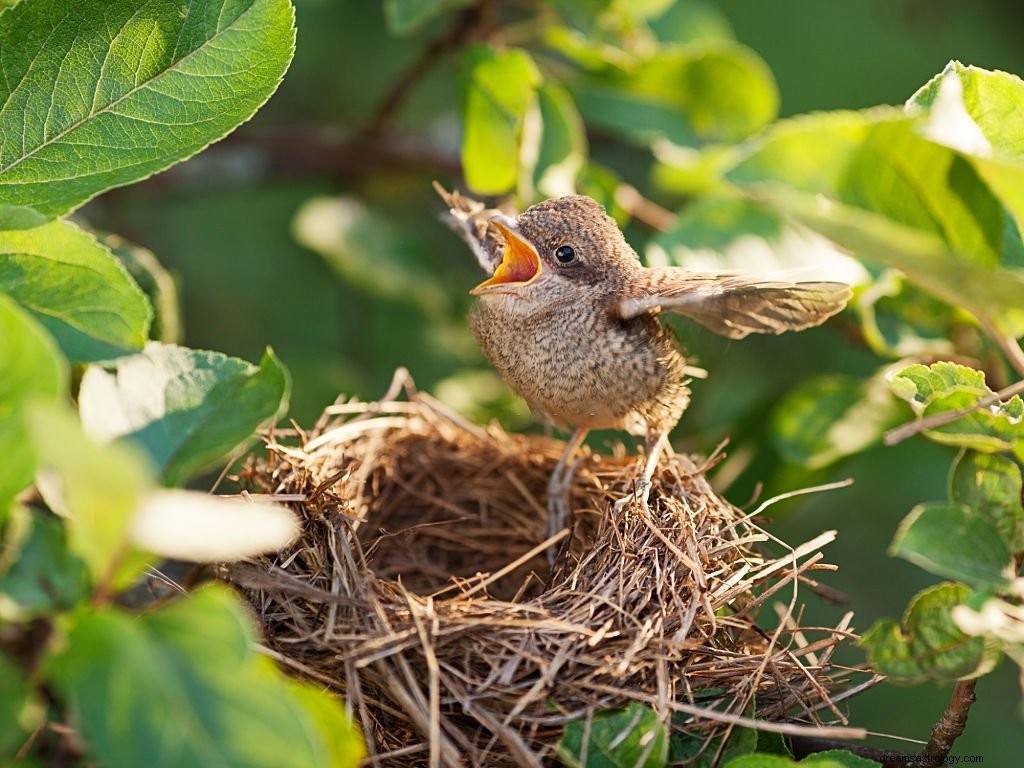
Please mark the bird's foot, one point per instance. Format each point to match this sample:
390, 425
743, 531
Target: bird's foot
559, 488
640, 495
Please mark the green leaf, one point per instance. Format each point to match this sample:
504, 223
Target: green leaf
990, 486
618, 738
563, 143
183, 685
927, 644
76, 288
186, 408
101, 93
952, 541
33, 369
406, 16
39, 574
948, 387
703, 92
872, 183
156, 282
832, 758
698, 752
828, 417
984, 97
900, 320
20, 711
98, 488
967, 109
499, 88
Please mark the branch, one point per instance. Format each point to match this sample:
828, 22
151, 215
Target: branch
468, 23
643, 209
952, 722
912, 428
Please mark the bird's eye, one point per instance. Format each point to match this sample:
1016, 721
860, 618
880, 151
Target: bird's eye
565, 254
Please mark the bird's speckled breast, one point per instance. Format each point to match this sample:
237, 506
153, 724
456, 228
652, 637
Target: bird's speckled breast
583, 368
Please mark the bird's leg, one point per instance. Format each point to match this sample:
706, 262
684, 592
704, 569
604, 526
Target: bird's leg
561, 482
656, 442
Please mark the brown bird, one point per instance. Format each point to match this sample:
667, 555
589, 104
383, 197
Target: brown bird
569, 318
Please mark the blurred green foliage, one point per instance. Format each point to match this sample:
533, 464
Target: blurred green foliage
314, 228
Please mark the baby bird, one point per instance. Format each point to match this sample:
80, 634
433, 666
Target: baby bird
569, 318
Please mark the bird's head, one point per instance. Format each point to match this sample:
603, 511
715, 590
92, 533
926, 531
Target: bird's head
559, 249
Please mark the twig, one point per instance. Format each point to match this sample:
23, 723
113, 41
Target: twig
912, 428
462, 27
953, 720
643, 209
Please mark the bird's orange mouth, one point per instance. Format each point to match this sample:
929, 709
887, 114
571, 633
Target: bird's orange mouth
520, 263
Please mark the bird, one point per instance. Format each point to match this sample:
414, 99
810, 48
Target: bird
571, 320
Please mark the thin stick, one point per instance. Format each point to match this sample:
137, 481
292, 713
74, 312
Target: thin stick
912, 428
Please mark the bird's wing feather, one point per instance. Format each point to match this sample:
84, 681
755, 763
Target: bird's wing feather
733, 305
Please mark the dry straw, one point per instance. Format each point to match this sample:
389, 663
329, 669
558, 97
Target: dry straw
420, 592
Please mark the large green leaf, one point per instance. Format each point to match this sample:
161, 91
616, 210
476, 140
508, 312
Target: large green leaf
563, 142
186, 408
616, 738
32, 369
976, 112
183, 685
96, 94
951, 540
97, 488
499, 88
927, 644
76, 288
876, 185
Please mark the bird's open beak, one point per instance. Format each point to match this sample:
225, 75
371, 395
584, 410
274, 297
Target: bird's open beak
520, 263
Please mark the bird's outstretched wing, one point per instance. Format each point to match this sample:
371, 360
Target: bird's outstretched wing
733, 305
470, 219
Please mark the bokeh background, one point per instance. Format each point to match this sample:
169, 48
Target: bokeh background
327, 164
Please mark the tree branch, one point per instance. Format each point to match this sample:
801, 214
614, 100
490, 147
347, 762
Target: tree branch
953, 720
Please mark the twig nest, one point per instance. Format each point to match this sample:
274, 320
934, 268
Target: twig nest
420, 591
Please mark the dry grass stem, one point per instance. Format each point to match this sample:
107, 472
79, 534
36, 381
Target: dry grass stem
421, 593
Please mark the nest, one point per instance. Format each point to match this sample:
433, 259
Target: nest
420, 591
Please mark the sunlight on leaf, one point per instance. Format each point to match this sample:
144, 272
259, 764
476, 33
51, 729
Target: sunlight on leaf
498, 88
187, 408
96, 487
76, 289
33, 370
